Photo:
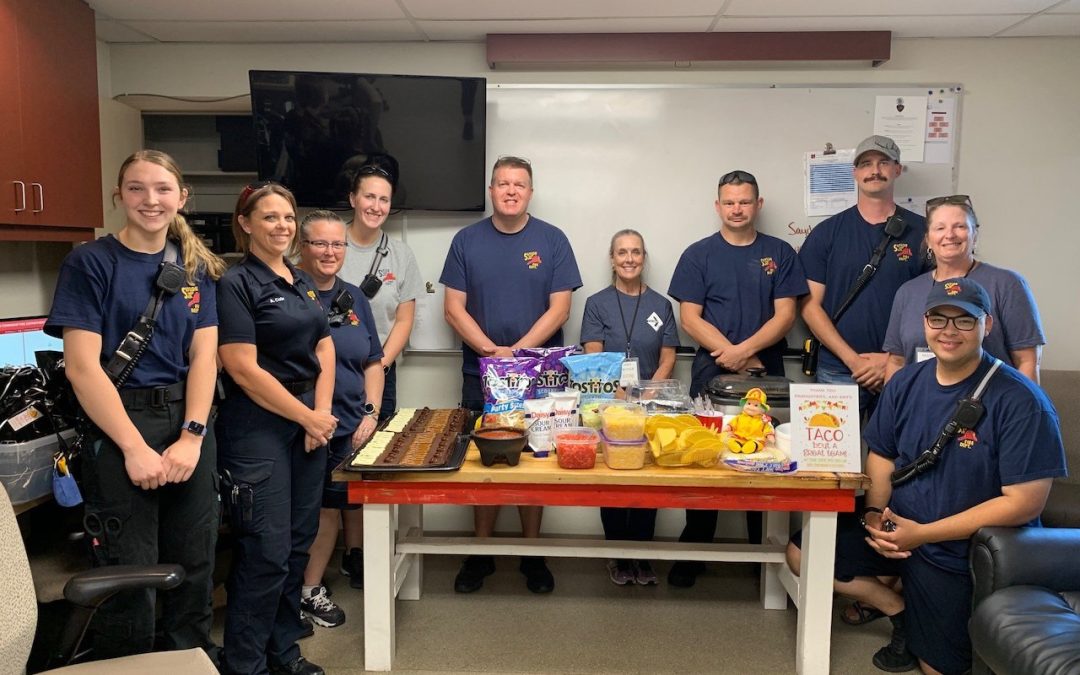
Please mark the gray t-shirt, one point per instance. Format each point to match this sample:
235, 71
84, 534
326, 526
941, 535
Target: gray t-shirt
1016, 317
653, 328
397, 270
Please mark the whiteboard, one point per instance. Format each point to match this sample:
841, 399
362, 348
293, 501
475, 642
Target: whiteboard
649, 157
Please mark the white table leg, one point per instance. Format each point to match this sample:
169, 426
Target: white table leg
814, 628
773, 595
379, 631
412, 516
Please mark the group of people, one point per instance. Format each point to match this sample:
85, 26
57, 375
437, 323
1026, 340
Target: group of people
308, 357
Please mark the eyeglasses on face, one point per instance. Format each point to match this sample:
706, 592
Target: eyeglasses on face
321, 246
963, 322
737, 176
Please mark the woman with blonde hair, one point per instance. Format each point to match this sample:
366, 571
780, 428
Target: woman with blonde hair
143, 303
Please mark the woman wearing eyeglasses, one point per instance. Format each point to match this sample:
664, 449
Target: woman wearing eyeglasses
273, 427
359, 381
384, 268
951, 238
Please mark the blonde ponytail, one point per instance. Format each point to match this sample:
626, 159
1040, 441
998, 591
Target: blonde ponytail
196, 254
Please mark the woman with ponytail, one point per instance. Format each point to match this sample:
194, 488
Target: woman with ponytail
149, 460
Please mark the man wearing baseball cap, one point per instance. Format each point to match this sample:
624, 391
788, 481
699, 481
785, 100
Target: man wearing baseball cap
994, 471
834, 255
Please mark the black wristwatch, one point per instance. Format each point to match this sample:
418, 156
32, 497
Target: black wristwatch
369, 409
191, 426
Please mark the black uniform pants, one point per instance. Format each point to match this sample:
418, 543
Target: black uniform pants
264, 455
176, 523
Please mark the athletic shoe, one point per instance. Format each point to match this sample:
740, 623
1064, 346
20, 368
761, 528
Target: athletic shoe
298, 666
621, 572
538, 577
352, 566
321, 609
644, 574
470, 577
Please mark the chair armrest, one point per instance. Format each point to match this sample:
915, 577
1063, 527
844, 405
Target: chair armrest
1011, 556
93, 587
1062, 506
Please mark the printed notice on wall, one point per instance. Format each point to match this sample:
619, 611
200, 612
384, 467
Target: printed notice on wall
825, 427
940, 129
830, 185
903, 119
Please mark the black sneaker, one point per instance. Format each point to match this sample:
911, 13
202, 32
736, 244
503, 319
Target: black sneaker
352, 566
299, 666
895, 657
473, 570
321, 609
684, 573
538, 578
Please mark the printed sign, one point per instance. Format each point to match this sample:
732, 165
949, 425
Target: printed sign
825, 427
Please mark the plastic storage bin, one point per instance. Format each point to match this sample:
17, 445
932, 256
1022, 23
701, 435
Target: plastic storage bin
26, 468
622, 421
624, 454
576, 447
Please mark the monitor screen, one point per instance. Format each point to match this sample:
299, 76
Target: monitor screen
21, 337
313, 130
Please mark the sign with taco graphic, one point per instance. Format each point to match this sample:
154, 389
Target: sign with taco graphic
825, 427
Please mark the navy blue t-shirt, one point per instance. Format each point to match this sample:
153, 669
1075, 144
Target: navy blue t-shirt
103, 287
736, 286
357, 344
1017, 440
284, 321
610, 313
834, 254
508, 278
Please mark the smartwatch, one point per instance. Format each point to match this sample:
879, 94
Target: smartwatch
191, 426
369, 409
385, 369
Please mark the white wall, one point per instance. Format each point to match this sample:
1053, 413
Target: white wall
1020, 148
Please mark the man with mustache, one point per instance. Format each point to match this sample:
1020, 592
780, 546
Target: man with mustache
834, 254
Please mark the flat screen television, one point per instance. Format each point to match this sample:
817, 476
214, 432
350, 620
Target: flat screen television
313, 130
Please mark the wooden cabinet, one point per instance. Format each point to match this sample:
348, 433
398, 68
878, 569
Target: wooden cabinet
50, 172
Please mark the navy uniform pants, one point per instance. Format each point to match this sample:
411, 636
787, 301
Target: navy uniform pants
176, 523
263, 455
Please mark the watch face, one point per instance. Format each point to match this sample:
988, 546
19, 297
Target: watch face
196, 428
369, 408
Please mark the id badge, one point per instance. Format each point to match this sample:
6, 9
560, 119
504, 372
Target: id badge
923, 354
631, 375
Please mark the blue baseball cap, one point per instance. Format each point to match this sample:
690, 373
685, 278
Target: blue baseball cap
961, 293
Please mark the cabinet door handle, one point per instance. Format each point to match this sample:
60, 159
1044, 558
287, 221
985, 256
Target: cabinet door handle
22, 195
40, 192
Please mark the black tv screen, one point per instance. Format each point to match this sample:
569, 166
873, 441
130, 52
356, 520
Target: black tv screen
313, 130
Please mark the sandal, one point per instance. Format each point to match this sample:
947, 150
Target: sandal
863, 614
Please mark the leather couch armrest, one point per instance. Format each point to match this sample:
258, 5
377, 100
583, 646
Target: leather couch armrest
92, 587
1010, 556
1062, 506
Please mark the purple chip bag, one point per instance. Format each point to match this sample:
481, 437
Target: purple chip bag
507, 383
553, 374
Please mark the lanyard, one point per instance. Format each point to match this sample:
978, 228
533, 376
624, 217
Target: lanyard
629, 331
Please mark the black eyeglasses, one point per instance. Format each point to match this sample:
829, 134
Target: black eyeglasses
737, 176
964, 322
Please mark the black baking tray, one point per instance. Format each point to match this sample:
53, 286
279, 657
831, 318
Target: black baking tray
453, 463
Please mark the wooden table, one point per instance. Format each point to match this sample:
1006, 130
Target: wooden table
394, 539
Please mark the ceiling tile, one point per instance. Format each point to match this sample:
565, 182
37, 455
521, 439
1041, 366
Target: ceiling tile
821, 8
477, 30
278, 31
1046, 25
247, 10
559, 9
1069, 7
114, 31
901, 26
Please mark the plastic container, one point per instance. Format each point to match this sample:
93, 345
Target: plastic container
622, 421
590, 414
26, 468
624, 454
661, 396
576, 447
783, 438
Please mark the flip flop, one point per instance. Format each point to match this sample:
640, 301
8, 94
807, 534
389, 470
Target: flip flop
865, 614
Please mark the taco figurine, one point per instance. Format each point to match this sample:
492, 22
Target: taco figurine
748, 431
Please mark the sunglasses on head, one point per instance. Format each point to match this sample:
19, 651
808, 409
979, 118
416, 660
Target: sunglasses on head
513, 159
373, 170
737, 176
952, 200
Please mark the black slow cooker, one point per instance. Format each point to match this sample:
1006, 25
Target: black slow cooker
725, 391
